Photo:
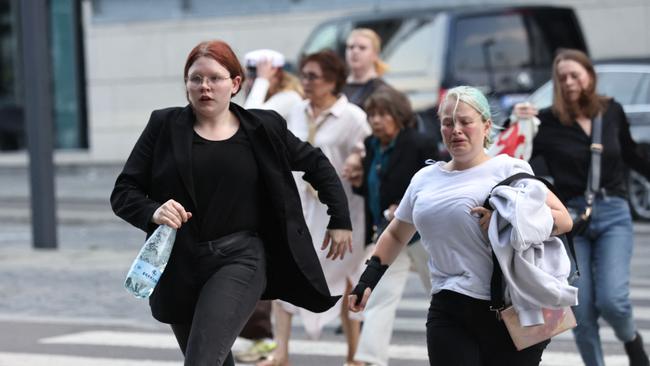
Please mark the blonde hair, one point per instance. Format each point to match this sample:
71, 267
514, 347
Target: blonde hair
286, 81
380, 66
473, 98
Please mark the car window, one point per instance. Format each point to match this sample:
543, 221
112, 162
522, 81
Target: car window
385, 28
643, 96
410, 50
499, 40
325, 37
486, 45
542, 97
620, 85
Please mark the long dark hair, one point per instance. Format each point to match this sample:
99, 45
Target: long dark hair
589, 103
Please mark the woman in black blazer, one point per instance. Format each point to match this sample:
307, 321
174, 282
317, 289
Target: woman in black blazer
394, 153
221, 175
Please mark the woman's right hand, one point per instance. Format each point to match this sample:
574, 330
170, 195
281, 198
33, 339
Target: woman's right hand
265, 69
524, 110
172, 214
352, 301
353, 170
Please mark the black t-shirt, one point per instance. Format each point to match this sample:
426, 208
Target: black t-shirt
357, 93
227, 186
566, 152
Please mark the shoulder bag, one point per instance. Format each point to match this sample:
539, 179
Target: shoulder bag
582, 218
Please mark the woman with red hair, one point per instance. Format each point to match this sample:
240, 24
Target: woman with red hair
221, 175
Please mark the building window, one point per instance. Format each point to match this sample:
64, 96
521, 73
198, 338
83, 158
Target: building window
68, 74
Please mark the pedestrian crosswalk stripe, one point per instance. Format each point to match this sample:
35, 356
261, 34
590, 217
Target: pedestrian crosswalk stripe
116, 339
564, 359
165, 341
25, 359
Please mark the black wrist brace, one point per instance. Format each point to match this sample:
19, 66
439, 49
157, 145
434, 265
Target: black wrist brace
370, 277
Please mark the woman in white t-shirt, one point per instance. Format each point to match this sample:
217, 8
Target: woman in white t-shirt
444, 204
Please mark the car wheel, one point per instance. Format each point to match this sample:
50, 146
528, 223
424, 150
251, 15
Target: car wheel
639, 195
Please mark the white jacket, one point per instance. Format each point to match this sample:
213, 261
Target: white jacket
535, 265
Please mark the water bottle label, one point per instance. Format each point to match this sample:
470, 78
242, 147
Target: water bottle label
146, 270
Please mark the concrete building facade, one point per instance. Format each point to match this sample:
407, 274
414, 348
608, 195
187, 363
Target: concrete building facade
134, 55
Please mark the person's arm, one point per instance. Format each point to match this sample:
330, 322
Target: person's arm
353, 171
319, 172
390, 244
630, 152
255, 98
129, 198
562, 222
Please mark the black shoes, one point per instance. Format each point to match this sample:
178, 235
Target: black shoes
636, 353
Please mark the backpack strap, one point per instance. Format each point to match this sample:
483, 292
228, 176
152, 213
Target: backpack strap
497, 302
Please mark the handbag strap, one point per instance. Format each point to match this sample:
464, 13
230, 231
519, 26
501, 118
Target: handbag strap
497, 302
596, 147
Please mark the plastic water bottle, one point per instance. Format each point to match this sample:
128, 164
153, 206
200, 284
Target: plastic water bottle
150, 262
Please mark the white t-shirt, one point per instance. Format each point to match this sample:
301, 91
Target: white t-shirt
438, 203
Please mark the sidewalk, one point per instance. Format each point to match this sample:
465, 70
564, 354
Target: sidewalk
82, 193
84, 276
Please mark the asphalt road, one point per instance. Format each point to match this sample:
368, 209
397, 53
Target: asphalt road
68, 307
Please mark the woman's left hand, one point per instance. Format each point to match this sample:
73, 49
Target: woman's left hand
484, 216
339, 241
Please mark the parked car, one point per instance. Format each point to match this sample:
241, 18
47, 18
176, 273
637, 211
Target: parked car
628, 81
506, 51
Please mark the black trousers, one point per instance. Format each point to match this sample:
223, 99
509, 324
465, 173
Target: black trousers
233, 272
462, 331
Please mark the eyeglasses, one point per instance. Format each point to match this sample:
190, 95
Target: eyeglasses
197, 80
309, 76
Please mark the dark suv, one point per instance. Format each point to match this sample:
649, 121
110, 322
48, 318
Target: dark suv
628, 81
507, 51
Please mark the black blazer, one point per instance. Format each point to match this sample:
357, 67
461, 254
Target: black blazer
410, 152
159, 169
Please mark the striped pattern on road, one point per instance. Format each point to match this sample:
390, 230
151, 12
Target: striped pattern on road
166, 341
157, 339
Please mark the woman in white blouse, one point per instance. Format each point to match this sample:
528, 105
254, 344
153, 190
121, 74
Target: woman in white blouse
330, 122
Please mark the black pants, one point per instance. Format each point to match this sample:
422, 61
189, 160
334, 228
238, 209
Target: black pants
462, 331
233, 272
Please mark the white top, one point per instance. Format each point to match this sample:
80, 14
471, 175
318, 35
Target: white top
341, 129
438, 202
281, 102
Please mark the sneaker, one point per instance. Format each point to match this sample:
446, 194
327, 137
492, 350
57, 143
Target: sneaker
257, 351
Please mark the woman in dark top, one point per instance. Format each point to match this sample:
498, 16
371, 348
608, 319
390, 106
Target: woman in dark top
366, 68
394, 153
604, 250
221, 176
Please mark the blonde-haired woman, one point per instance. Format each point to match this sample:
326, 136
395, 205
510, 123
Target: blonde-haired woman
443, 203
271, 87
366, 68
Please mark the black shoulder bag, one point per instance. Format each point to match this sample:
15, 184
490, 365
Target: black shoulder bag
581, 219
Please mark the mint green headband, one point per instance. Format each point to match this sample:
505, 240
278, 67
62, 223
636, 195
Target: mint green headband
471, 96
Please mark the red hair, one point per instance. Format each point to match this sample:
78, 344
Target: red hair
219, 51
